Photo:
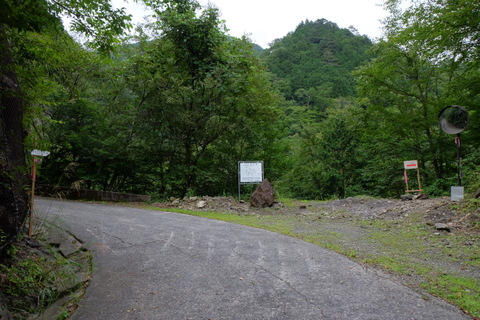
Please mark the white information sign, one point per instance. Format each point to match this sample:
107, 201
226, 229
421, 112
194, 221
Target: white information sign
411, 164
40, 153
250, 171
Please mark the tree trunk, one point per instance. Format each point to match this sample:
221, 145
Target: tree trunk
13, 171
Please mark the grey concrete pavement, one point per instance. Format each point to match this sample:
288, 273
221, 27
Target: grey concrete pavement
158, 265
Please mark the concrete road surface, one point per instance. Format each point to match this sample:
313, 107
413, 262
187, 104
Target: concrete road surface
159, 265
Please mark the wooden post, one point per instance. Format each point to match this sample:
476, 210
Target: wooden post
32, 197
405, 176
418, 178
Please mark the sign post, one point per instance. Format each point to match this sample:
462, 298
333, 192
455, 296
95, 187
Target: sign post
453, 120
35, 154
249, 172
411, 164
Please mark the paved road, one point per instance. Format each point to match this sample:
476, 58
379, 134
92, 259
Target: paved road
159, 265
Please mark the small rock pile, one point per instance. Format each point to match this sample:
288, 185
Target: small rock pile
227, 204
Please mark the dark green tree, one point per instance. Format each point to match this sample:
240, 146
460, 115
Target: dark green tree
417, 71
326, 157
84, 115
17, 17
199, 90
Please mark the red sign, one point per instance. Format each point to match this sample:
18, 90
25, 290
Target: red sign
411, 164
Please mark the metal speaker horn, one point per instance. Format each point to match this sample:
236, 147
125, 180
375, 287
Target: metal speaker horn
453, 119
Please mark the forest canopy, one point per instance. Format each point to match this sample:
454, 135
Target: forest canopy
171, 110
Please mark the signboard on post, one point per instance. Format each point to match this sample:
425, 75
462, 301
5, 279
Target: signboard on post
35, 153
411, 164
40, 153
249, 172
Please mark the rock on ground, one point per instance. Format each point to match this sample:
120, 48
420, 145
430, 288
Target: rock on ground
263, 196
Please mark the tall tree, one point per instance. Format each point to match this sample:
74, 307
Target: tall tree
326, 159
417, 71
449, 29
197, 86
88, 115
17, 17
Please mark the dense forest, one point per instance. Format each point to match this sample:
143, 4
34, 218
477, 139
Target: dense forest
170, 109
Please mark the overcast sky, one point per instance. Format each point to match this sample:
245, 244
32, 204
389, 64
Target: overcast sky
266, 20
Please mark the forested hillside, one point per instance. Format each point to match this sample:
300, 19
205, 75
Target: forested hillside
330, 113
312, 68
343, 139
315, 62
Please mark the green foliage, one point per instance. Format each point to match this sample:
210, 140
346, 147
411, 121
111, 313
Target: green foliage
312, 69
447, 29
204, 98
404, 87
173, 113
32, 279
63, 315
78, 113
316, 60
25, 278
471, 169
28, 15
164, 116
96, 19
326, 158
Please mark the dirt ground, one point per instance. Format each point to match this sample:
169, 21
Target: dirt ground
431, 210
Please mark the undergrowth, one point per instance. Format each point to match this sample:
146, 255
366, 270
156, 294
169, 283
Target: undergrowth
28, 281
31, 279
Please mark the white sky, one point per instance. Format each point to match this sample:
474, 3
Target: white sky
266, 20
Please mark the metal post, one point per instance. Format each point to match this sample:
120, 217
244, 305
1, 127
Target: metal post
459, 159
239, 180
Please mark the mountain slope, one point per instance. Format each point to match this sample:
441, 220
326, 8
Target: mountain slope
318, 55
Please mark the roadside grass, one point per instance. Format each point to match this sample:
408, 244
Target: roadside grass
31, 278
405, 248
463, 292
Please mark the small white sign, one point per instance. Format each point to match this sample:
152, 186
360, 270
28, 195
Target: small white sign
40, 153
456, 193
411, 164
250, 172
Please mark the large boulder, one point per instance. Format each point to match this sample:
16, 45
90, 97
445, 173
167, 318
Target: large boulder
264, 195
